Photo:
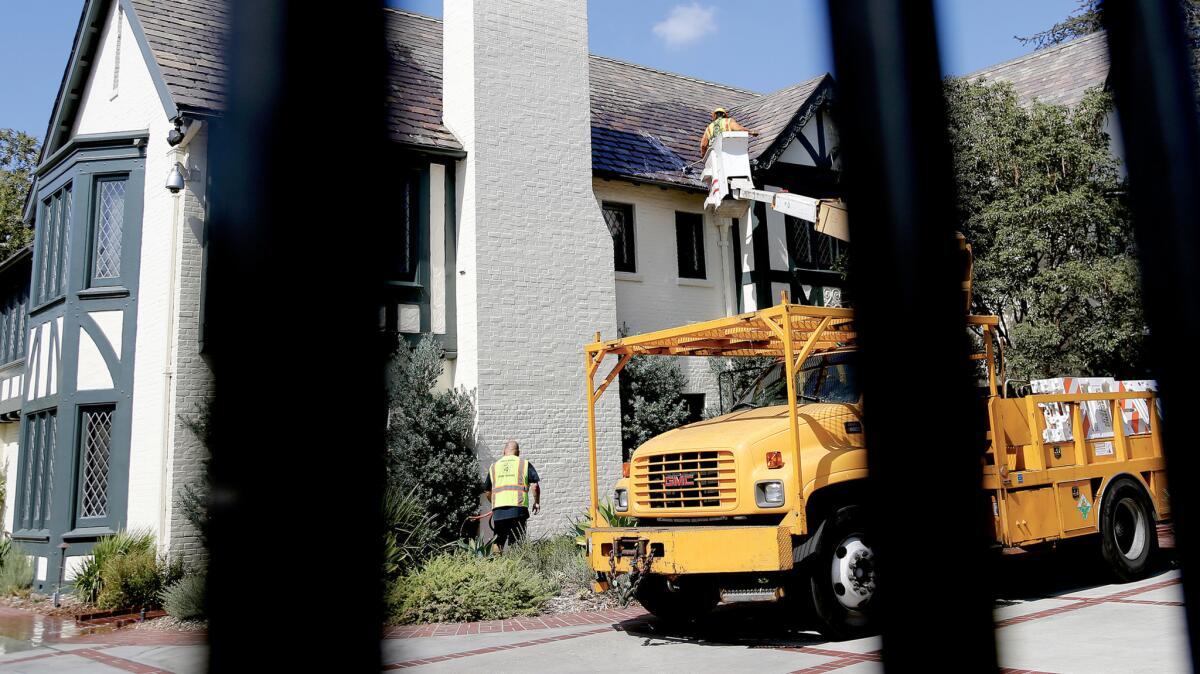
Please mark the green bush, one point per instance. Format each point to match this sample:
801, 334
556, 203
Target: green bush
184, 599
89, 580
558, 559
411, 533
135, 580
460, 588
431, 437
16, 571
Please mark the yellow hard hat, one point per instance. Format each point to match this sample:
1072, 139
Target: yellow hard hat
722, 111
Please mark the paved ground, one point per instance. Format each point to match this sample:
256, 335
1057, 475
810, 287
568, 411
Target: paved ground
1057, 615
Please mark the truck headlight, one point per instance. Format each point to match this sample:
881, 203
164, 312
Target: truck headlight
621, 498
768, 494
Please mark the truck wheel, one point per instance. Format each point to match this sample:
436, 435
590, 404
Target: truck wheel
843, 577
681, 603
1128, 537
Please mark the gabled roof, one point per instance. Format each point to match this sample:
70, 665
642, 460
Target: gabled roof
415, 82
778, 117
1057, 75
646, 123
187, 38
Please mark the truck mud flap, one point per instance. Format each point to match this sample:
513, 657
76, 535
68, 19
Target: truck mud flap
809, 547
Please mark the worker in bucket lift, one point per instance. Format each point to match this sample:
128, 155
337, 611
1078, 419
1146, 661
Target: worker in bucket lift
721, 121
509, 484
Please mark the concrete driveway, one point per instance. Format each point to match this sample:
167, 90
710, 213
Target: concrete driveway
1057, 614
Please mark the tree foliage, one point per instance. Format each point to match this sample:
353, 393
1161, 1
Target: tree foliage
651, 399
1088, 18
1043, 204
18, 158
431, 437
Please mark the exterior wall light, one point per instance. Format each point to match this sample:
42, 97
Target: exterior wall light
175, 179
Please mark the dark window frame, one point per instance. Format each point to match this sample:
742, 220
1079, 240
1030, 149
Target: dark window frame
689, 245
625, 240
53, 244
93, 231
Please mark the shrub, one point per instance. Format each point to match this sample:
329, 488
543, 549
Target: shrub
651, 399
89, 581
16, 571
608, 513
184, 599
459, 588
431, 436
135, 580
558, 559
410, 535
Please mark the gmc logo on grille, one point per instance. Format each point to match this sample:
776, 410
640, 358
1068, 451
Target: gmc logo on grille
679, 480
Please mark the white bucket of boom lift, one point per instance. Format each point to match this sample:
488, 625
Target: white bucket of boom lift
728, 158
730, 187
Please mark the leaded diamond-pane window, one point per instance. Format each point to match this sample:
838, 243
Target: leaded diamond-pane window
109, 216
53, 237
37, 467
95, 437
619, 218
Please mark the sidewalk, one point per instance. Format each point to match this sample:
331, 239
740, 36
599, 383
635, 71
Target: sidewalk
1137, 627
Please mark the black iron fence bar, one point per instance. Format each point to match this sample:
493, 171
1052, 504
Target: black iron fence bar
1156, 99
912, 332
292, 325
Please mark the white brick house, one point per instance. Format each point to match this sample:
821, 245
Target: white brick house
545, 194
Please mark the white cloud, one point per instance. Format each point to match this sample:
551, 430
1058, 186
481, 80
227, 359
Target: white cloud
686, 24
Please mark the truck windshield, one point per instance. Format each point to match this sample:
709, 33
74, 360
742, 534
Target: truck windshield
827, 378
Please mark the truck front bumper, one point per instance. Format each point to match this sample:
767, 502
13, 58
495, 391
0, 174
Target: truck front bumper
688, 550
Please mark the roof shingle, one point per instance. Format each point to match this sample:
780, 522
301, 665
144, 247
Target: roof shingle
1058, 75
646, 123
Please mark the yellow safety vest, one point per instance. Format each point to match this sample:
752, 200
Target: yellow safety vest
510, 482
716, 126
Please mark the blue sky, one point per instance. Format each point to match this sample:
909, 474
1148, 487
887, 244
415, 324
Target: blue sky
764, 45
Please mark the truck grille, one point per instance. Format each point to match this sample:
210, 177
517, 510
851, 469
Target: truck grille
699, 479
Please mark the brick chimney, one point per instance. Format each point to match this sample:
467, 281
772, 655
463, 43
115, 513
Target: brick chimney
535, 258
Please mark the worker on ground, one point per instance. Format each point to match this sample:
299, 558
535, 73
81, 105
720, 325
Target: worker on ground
508, 486
721, 121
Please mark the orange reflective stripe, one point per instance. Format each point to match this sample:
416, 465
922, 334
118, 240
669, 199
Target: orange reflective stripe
523, 473
512, 487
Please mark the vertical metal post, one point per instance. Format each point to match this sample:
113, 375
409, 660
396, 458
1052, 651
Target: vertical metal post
589, 367
789, 371
906, 276
1156, 98
293, 297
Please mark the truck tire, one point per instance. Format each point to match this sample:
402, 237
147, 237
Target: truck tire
842, 577
684, 604
1128, 535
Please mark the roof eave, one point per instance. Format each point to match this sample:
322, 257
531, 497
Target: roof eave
820, 95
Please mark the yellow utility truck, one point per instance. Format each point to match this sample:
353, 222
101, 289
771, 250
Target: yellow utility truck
765, 502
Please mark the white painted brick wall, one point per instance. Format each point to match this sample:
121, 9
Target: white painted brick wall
154, 465
533, 244
654, 297
192, 381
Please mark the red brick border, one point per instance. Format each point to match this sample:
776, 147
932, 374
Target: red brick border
493, 649
96, 656
1084, 602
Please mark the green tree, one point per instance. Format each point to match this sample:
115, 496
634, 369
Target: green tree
431, 437
18, 158
1043, 204
651, 399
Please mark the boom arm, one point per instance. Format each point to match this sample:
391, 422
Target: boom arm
727, 168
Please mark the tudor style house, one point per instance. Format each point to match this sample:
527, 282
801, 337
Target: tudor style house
542, 195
